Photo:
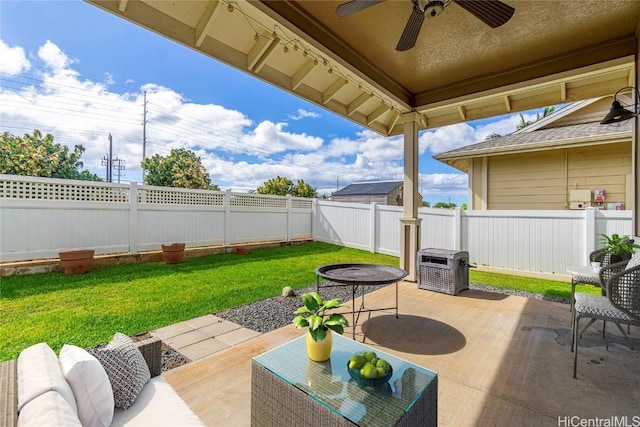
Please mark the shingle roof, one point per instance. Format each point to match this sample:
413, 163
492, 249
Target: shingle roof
538, 138
368, 188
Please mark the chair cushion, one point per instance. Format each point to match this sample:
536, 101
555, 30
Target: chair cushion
90, 385
599, 307
126, 368
39, 371
48, 410
157, 405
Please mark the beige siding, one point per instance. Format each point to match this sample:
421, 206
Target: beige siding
541, 180
476, 191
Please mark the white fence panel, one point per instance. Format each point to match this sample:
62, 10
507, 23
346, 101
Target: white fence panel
346, 224
388, 230
436, 228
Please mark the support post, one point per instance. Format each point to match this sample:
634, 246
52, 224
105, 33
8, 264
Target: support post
635, 154
410, 223
133, 218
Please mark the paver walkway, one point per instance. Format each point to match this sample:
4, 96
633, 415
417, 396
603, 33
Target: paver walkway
203, 336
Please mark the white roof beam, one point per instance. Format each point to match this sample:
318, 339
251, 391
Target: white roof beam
357, 103
331, 92
507, 103
383, 108
302, 73
260, 52
122, 6
206, 21
463, 115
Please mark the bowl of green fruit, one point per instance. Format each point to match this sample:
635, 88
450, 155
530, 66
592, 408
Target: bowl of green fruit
368, 370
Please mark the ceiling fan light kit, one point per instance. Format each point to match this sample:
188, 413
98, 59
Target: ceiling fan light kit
493, 13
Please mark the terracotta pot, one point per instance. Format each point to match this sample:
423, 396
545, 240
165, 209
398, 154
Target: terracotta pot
76, 262
174, 253
242, 250
319, 351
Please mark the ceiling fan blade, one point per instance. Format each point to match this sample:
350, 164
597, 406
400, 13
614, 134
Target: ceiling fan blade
353, 6
494, 13
411, 31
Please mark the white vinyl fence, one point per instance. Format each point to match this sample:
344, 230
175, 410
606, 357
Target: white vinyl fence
531, 241
40, 217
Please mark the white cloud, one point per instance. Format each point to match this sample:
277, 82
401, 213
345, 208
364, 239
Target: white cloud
54, 57
302, 114
14, 61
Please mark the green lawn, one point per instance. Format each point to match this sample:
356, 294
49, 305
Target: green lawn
88, 309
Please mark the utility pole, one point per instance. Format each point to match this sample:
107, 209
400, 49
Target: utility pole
144, 130
337, 182
119, 166
107, 161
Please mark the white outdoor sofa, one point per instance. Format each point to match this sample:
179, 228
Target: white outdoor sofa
39, 389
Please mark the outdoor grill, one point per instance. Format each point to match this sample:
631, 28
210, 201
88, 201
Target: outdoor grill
443, 270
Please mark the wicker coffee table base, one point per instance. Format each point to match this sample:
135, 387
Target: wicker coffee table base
276, 403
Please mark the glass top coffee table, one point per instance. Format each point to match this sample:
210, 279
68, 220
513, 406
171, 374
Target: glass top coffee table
289, 389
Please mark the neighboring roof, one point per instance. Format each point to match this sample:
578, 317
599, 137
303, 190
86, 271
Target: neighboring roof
368, 188
565, 135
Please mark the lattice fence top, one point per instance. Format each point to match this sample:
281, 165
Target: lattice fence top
301, 203
76, 191
258, 201
180, 197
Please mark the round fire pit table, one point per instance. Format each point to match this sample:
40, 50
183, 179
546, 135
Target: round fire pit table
357, 275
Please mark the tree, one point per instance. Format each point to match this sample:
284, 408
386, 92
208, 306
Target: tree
181, 169
37, 155
302, 189
426, 204
282, 186
492, 136
445, 205
524, 123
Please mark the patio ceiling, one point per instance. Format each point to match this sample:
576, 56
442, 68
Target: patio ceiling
549, 52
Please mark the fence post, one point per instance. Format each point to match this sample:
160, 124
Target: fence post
589, 232
289, 216
372, 227
133, 218
457, 228
314, 218
227, 216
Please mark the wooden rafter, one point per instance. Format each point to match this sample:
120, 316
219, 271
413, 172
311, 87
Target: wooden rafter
206, 21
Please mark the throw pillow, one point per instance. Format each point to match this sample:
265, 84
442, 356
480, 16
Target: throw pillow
634, 261
126, 368
39, 371
48, 410
90, 386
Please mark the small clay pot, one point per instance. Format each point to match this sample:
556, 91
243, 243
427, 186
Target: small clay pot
174, 253
76, 262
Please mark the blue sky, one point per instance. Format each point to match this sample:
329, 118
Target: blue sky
77, 72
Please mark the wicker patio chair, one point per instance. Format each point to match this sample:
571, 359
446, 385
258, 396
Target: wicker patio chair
621, 305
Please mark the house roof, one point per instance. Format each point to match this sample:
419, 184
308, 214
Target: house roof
368, 188
538, 136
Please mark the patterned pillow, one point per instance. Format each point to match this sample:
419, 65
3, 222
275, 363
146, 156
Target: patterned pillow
635, 260
126, 368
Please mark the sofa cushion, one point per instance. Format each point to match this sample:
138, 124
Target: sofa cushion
48, 410
157, 405
126, 368
90, 385
39, 371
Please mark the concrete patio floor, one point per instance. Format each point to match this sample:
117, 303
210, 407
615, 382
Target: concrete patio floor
501, 360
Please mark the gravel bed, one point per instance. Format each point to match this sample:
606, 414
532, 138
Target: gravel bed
276, 312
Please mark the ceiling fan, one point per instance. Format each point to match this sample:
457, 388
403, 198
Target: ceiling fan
494, 13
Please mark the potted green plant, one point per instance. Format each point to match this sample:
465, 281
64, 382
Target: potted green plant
314, 314
617, 248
